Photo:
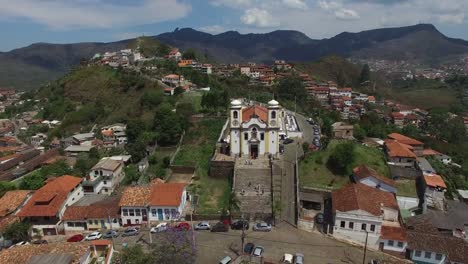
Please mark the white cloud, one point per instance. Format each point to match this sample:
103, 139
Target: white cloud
258, 17
213, 29
346, 14
238, 4
452, 19
329, 6
66, 14
298, 4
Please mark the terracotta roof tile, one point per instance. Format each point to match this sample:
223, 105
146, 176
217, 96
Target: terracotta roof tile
7, 220
255, 110
166, 194
393, 233
363, 172
454, 248
430, 152
405, 140
22, 254
94, 211
135, 196
48, 200
11, 200
435, 181
362, 197
396, 149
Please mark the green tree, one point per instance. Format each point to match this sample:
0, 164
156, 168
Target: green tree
411, 131
33, 181
152, 98
167, 126
189, 54
359, 133
6, 186
229, 201
17, 231
341, 158
131, 174
135, 255
365, 74
291, 88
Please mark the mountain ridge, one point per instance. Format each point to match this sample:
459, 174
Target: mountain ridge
421, 43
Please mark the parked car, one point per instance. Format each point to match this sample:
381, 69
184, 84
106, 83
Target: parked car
161, 227
240, 224
22, 243
202, 226
288, 258
258, 251
220, 227
93, 236
75, 238
319, 218
248, 248
262, 226
39, 242
288, 141
131, 231
299, 258
182, 226
225, 260
110, 234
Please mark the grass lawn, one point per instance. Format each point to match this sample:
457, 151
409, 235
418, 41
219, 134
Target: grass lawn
406, 188
197, 150
193, 97
313, 171
428, 98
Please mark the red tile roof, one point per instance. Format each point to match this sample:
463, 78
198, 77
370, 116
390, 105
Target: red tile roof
11, 200
252, 111
166, 194
435, 181
94, 211
397, 149
430, 152
48, 200
397, 115
362, 197
405, 140
363, 172
393, 233
135, 196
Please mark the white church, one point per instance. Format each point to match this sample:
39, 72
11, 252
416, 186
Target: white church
254, 129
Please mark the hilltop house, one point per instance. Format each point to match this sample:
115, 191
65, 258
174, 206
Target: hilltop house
360, 210
173, 79
104, 177
400, 154
416, 145
342, 130
47, 205
372, 178
435, 188
158, 202
114, 135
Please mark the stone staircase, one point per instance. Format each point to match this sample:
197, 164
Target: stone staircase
252, 185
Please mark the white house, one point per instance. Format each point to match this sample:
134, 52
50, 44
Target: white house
104, 177
167, 201
359, 210
372, 178
38, 139
47, 205
101, 215
158, 202
173, 79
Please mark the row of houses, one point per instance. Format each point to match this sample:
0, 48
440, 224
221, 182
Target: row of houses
62, 207
122, 58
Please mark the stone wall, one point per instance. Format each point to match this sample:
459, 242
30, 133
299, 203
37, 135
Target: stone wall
221, 169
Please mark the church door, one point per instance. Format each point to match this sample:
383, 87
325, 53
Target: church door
254, 151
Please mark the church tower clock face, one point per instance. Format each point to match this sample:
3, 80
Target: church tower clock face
235, 123
272, 123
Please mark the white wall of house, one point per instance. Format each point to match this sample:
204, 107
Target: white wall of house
349, 226
164, 213
110, 180
373, 182
133, 215
72, 198
390, 214
427, 257
394, 245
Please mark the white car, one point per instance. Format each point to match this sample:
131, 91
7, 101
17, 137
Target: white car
288, 258
93, 236
202, 226
159, 228
22, 243
258, 251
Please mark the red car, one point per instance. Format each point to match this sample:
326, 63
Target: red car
182, 226
75, 238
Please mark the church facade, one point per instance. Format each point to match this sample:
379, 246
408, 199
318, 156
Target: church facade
254, 130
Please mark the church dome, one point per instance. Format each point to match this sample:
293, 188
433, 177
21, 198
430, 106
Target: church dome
236, 102
273, 103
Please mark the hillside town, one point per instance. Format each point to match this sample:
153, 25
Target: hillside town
289, 191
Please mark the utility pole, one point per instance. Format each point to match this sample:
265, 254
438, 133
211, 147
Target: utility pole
365, 249
243, 234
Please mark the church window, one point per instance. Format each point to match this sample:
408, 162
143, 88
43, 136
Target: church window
254, 133
246, 136
235, 114
273, 114
262, 136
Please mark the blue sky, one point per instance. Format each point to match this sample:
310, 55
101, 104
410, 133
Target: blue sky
23, 22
